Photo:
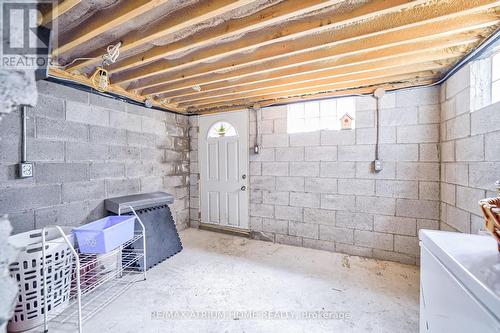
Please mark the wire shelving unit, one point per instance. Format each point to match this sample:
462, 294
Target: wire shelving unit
96, 279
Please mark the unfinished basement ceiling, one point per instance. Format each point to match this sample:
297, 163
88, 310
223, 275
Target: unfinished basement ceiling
221, 55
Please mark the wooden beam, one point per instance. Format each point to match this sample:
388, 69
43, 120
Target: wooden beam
422, 55
388, 86
404, 37
345, 81
81, 79
173, 23
295, 30
322, 95
58, 10
106, 20
436, 64
206, 61
368, 56
341, 89
266, 17
350, 47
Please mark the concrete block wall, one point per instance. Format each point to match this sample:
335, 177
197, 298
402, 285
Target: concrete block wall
194, 192
16, 87
314, 189
86, 148
470, 137
319, 190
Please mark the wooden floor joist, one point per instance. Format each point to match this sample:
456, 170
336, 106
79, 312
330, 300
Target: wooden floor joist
388, 86
276, 97
294, 30
404, 36
274, 14
58, 10
350, 35
322, 63
335, 67
344, 81
205, 11
112, 18
220, 55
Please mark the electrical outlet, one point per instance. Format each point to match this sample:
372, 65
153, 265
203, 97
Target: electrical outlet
25, 169
377, 165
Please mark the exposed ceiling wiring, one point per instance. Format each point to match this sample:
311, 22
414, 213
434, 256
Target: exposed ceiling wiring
110, 57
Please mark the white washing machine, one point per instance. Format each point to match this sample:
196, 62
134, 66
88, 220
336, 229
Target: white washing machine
459, 283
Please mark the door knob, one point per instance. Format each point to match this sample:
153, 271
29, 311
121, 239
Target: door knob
243, 188
244, 176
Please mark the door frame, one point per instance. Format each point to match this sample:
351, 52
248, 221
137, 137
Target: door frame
243, 230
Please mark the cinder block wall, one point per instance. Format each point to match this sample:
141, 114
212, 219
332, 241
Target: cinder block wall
470, 149
318, 189
87, 148
314, 189
194, 191
16, 87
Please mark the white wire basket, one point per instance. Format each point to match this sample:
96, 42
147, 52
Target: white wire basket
28, 273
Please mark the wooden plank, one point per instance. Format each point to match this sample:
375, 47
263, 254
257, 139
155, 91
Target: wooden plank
339, 66
266, 17
206, 61
329, 63
322, 95
389, 86
173, 23
435, 65
416, 57
345, 47
248, 43
106, 20
345, 81
58, 10
403, 37
411, 79
81, 79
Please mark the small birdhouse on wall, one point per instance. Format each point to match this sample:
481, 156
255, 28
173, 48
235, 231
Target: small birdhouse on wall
346, 122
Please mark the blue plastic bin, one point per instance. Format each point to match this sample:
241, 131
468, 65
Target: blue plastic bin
104, 235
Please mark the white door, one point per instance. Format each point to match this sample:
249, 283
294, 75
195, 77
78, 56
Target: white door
223, 164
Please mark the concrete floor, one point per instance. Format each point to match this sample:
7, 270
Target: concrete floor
217, 272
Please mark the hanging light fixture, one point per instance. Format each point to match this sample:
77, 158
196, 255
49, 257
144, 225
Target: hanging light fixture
100, 79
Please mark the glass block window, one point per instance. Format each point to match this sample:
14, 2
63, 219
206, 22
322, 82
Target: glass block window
319, 115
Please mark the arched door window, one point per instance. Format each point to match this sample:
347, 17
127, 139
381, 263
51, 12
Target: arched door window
221, 129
